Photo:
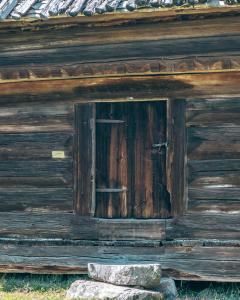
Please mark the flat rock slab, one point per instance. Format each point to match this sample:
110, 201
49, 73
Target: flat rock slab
143, 275
92, 290
168, 288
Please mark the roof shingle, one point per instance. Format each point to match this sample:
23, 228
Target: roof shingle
17, 9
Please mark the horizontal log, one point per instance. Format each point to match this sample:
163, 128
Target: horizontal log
70, 226
214, 165
214, 178
36, 168
130, 250
123, 51
60, 225
32, 153
204, 226
122, 89
215, 206
181, 262
164, 65
39, 140
160, 24
207, 150
213, 129
217, 105
36, 199
214, 133
43, 182
209, 117
34, 146
38, 117
215, 193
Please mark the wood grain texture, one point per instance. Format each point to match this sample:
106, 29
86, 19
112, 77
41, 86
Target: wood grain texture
31, 179
123, 51
130, 159
36, 199
35, 168
34, 146
38, 117
158, 24
213, 154
205, 226
214, 165
176, 156
80, 48
214, 205
71, 226
123, 89
192, 262
215, 178
112, 162
164, 65
84, 159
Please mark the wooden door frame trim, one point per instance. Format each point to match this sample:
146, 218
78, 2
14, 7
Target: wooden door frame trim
175, 160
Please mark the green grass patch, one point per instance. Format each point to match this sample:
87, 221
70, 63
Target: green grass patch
208, 291
25, 286
53, 287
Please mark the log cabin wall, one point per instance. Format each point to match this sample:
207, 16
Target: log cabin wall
213, 155
49, 69
32, 176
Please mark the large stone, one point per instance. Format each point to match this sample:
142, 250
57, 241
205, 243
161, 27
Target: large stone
143, 275
92, 290
168, 288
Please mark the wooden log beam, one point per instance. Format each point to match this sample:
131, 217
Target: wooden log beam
129, 88
55, 36
200, 64
185, 262
70, 226
205, 226
115, 52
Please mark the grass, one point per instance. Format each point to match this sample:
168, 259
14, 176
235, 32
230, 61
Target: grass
208, 291
53, 287
34, 287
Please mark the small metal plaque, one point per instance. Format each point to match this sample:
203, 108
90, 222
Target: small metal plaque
58, 154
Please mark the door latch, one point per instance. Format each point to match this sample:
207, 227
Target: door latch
159, 147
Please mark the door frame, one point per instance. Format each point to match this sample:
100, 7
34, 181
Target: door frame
84, 187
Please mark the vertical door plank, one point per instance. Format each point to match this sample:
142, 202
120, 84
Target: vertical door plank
176, 156
128, 159
84, 161
151, 197
111, 161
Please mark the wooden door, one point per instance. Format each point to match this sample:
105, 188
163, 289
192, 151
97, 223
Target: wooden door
128, 162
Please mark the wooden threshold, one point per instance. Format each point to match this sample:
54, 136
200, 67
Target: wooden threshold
222, 226
71, 226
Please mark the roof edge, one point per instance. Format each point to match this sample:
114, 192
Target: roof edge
147, 15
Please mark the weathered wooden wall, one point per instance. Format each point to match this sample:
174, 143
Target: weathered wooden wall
31, 180
186, 260
214, 155
48, 67
186, 40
